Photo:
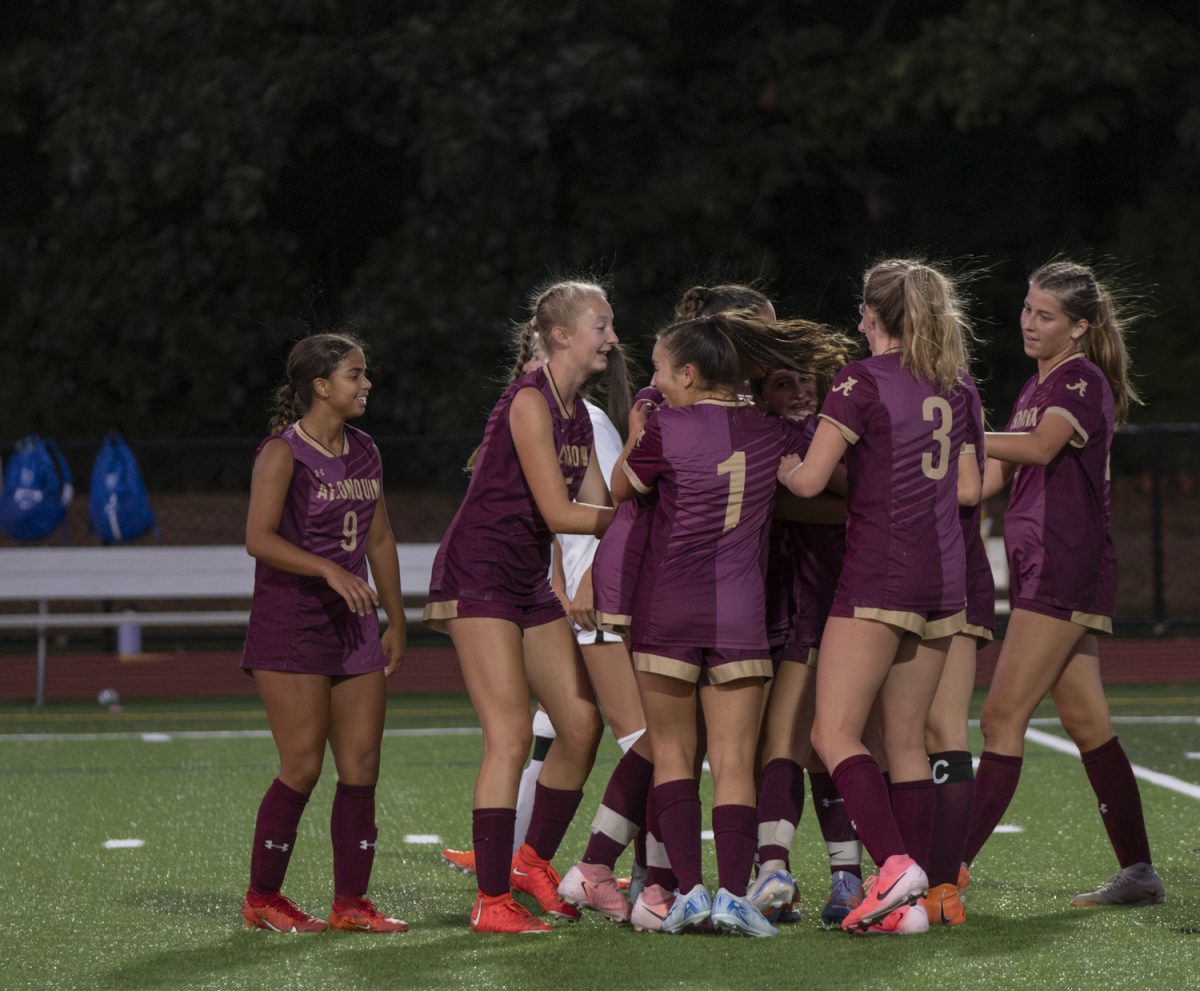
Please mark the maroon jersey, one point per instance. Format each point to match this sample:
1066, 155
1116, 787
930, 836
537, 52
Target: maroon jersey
981, 586
779, 580
817, 550
497, 547
904, 545
297, 622
713, 467
619, 558
1056, 526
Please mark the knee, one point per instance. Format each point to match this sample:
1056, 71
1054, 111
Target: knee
510, 748
583, 730
301, 771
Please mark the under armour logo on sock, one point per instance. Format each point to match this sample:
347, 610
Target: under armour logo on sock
366, 845
1103, 808
283, 847
826, 802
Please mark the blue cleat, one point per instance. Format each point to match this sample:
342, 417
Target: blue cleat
738, 915
689, 910
845, 895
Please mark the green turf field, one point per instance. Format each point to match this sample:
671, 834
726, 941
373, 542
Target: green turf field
166, 914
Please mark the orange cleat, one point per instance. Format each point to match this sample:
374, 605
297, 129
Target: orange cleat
534, 876
502, 914
462, 861
275, 913
355, 914
964, 880
943, 905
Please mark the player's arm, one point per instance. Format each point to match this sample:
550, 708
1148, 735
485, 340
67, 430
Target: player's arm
385, 570
811, 476
970, 485
268, 491
533, 437
619, 486
1038, 447
996, 476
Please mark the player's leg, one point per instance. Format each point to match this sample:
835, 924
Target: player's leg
1083, 709
298, 713
1035, 650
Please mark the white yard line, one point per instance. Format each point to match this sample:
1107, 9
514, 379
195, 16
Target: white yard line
1146, 774
213, 734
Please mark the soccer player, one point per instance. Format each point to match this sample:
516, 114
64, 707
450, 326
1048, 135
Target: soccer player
899, 420
699, 614
1062, 568
535, 475
313, 646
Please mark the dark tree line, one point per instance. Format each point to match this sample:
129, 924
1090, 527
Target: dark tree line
186, 186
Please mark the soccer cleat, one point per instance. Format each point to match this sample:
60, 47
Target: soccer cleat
355, 914
1137, 884
650, 908
900, 881
462, 861
278, 914
502, 914
593, 886
907, 920
964, 880
689, 910
773, 890
739, 915
845, 895
943, 905
534, 876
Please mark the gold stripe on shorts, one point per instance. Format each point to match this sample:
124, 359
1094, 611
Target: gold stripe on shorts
978, 632
437, 614
1093, 621
669, 667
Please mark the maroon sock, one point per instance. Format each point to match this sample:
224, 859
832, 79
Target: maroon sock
954, 786
780, 800
622, 812
1120, 802
735, 829
492, 839
279, 815
913, 807
995, 784
658, 869
353, 831
679, 819
865, 792
836, 827
553, 810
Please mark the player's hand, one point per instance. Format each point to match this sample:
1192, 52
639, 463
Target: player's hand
359, 596
394, 649
787, 464
638, 415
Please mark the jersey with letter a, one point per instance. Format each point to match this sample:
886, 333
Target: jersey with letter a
1056, 526
297, 622
713, 465
904, 545
497, 547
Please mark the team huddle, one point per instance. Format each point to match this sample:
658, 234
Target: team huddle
779, 568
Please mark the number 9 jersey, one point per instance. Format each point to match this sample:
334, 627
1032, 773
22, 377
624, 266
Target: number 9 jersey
904, 542
297, 622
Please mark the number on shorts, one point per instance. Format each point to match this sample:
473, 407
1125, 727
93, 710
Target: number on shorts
941, 433
735, 467
350, 531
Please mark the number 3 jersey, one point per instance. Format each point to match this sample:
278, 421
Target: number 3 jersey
713, 467
297, 622
904, 542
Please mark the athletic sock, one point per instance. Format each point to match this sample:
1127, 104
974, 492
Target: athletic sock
1120, 802
867, 803
734, 833
491, 833
954, 788
657, 862
353, 831
553, 810
678, 804
995, 784
841, 839
622, 811
780, 804
913, 807
275, 827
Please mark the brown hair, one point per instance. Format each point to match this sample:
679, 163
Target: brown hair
831, 351
704, 301
314, 357
921, 306
1084, 297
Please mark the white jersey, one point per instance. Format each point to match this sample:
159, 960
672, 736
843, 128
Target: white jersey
578, 549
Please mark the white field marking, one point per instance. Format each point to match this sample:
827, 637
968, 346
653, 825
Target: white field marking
430, 839
214, 734
1119, 720
707, 834
1193, 755
1146, 774
705, 768
1007, 827
123, 844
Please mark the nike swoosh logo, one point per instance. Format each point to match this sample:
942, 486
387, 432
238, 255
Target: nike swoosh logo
883, 894
478, 913
519, 872
942, 913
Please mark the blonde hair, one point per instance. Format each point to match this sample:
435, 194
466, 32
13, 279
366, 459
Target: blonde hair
921, 306
1083, 297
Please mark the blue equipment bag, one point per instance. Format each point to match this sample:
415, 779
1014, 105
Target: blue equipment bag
118, 506
38, 488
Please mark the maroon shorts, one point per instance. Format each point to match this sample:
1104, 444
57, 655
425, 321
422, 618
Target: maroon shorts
703, 665
524, 615
1092, 621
